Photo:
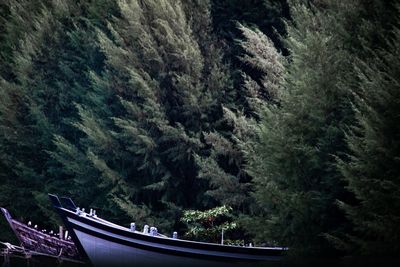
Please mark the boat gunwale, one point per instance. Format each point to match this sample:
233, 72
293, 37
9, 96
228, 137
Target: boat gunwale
229, 257
125, 232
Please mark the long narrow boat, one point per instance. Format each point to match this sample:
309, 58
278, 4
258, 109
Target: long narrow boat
41, 243
108, 244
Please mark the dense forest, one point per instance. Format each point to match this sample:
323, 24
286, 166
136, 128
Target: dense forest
284, 114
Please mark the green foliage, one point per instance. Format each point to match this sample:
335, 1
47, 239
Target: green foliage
373, 170
230, 184
267, 15
292, 157
208, 225
42, 77
143, 109
164, 88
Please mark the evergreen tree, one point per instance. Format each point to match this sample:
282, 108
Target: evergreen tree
128, 106
292, 160
266, 15
224, 168
253, 81
372, 171
23, 126
47, 51
159, 91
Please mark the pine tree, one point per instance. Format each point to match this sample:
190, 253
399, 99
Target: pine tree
264, 14
159, 91
292, 159
48, 49
224, 168
372, 171
22, 138
267, 16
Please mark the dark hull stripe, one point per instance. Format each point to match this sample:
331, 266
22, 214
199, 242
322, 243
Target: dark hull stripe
165, 250
275, 253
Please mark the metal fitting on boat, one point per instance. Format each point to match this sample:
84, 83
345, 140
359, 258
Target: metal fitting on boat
146, 229
133, 227
83, 213
60, 232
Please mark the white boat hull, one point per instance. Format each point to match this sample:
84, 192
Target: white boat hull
107, 244
105, 253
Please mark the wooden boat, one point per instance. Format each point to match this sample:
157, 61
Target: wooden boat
41, 243
13, 255
108, 244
